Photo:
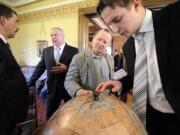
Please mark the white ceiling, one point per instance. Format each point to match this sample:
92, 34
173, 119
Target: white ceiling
15, 3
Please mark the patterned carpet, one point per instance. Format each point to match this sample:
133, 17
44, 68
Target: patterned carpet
41, 111
41, 115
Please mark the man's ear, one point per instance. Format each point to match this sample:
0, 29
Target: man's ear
137, 3
2, 20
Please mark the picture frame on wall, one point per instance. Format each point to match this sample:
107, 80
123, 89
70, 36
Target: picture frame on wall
41, 45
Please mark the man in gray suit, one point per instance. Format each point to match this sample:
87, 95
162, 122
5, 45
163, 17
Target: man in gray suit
55, 60
90, 68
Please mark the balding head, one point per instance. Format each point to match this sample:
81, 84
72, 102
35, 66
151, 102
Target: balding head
57, 36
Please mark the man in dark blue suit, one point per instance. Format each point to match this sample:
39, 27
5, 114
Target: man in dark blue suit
13, 87
55, 60
160, 32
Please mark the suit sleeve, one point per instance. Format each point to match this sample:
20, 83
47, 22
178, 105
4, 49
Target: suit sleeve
127, 84
129, 53
72, 79
74, 52
38, 71
13, 92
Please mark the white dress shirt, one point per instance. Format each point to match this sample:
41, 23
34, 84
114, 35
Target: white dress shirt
102, 68
61, 48
3, 39
156, 95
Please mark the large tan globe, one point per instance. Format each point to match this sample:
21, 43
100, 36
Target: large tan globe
90, 115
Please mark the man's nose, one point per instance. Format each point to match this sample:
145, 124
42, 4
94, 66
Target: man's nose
17, 30
114, 28
53, 37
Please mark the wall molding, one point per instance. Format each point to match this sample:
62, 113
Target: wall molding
52, 11
40, 15
16, 3
61, 3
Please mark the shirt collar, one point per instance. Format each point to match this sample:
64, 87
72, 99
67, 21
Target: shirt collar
3, 39
147, 24
61, 47
96, 56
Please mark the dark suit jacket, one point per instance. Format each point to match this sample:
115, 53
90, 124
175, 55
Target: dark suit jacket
54, 81
14, 94
166, 29
117, 62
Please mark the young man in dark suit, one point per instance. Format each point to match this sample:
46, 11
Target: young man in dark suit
160, 36
55, 60
13, 87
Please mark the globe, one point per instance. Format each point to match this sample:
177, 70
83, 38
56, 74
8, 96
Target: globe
94, 114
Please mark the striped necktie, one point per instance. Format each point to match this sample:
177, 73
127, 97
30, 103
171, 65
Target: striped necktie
140, 80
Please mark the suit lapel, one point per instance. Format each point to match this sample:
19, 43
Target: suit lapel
6, 46
7, 52
161, 40
91, 66
51, 55
130, 55
64, 53
110, 65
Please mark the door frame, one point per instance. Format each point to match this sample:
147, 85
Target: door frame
83, 30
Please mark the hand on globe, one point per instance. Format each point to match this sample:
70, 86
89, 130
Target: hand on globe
83, 92
114, 86
94, 114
